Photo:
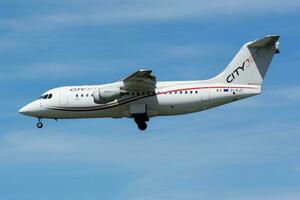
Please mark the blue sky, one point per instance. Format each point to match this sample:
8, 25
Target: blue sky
248, 150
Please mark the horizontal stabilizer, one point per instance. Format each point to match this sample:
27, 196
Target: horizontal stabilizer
267, 41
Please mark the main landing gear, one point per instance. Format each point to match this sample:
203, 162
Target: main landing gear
39, 124
140, 120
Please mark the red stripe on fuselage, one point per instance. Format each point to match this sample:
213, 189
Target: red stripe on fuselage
132, 99
207, 87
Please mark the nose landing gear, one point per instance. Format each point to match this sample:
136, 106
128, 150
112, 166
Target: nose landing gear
39, 124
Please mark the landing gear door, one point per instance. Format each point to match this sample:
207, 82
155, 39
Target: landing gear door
63, 97
41, 106
205, 95
137, 109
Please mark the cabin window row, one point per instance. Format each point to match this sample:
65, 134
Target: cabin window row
84, 95
146, 93
171, 92
141, 93
183, 92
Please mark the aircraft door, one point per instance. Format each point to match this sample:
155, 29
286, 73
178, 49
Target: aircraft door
63, 97
205, 95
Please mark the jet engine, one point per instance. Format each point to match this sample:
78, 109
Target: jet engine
105, 95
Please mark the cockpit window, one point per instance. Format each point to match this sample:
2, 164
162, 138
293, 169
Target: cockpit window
46, 96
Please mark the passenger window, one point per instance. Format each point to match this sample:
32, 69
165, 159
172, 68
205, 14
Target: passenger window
87, 95
186, 92
92, 95
76, 95
50, 96
196, 92
81, 95
175, 92
180, 92
191, 92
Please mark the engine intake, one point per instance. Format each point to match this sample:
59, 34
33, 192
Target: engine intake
105, 95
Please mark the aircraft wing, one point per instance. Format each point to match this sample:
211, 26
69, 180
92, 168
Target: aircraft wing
140, 80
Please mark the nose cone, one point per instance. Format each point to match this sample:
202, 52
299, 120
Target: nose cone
32, 109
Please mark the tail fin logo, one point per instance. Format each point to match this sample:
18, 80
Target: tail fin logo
245, 64
231, 76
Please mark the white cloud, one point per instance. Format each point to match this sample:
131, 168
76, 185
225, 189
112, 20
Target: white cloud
200, 51
291, 93
96, 12
160, 161
100, 66
37, 70
53, 70
279, 194
176, 152
274, 97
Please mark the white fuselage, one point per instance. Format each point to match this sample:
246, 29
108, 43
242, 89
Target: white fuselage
168, 98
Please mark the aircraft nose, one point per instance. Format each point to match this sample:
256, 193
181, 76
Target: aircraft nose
32, 109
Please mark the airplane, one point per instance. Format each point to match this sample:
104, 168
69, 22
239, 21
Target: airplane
140, 96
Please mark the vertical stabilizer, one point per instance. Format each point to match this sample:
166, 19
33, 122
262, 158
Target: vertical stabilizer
251, 63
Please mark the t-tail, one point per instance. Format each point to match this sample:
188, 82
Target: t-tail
251, 63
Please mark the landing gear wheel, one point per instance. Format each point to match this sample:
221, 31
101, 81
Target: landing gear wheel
140, 120
142, 126
39, 125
